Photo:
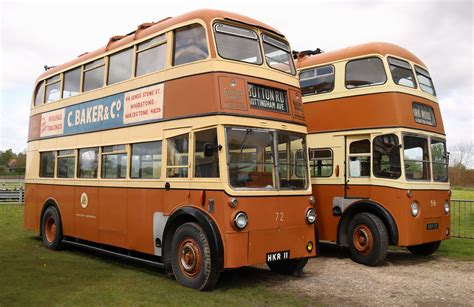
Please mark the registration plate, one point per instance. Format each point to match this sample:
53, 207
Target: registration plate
432, 226
278, 256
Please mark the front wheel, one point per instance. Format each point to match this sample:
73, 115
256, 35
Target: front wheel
289, 266
424, 249
51, 229
191, 258
368, 239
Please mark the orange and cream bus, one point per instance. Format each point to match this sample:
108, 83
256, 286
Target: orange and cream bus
173, 145
377, 150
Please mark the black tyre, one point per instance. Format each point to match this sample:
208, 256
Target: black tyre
288, 267
424, 249
368, 239
191, 258
51, 229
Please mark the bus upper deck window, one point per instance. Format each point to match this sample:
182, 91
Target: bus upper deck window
53, 85
235, 43
120, 66
190, 44
365, 72
39, 93
151, 55
278, 54
402, 73
424, 79
317, 80
93, 75
72, 82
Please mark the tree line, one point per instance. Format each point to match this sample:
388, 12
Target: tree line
12, 164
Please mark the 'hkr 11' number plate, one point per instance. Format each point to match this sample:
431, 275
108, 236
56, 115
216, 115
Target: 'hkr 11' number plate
278, 256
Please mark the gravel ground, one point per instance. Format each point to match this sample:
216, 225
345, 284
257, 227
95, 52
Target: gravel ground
404, 279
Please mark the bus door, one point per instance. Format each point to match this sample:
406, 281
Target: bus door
177, 148
357, 170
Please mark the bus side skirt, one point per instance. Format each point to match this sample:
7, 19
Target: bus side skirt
112, 253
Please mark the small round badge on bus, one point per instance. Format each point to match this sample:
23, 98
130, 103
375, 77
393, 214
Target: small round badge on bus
84, 200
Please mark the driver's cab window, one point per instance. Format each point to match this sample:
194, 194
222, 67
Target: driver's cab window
206, 155
190, 44
359, 159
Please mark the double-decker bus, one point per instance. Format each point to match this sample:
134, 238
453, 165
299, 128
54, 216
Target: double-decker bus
174, 145
377, 150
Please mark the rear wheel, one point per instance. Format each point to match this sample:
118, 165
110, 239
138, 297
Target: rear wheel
288, 267
51, 229
368, 239
191, 258
424, 249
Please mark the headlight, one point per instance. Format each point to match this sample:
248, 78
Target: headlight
311, 216
446, 207
240, 220
415, 209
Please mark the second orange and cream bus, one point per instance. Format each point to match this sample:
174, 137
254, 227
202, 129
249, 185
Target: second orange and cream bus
174, 145
377, 152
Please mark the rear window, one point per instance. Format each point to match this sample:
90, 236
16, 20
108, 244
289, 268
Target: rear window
365, 72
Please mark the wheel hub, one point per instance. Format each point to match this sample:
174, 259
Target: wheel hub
189, 257
362, 239
50, 229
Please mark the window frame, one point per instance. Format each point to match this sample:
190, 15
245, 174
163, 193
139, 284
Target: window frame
420, 70
310, 151
104, 76
157, 44
53, 82
364, 154
188, 166
78, 164
39, 86
400, 147
173, 48
428, 143
59, 156
103, 153
369, 85
80, 67
53, 152
257, 39
132, 49
415, 81
291, 61
315, 68
131, 162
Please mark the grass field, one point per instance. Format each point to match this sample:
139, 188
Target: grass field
466, 194
33, 275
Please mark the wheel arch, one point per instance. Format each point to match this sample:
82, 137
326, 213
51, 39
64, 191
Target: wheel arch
370, 207
190, 214
50, 202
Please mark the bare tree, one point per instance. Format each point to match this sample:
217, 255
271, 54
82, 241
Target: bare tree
462, 155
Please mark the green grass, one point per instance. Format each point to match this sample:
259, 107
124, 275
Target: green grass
465, 194
33, 275
457, 248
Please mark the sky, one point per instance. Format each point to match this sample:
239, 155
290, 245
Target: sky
440, 33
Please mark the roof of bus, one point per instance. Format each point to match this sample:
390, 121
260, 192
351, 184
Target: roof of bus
147, 29
357, 51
